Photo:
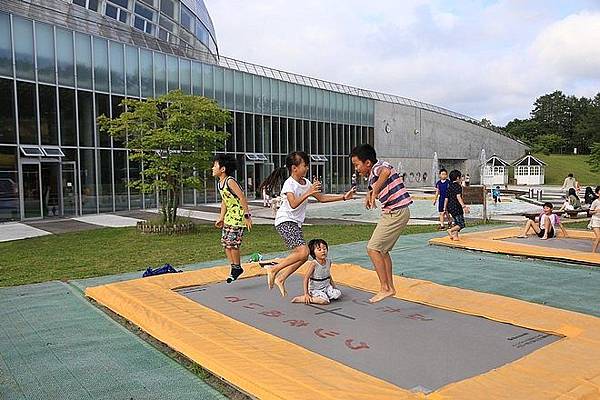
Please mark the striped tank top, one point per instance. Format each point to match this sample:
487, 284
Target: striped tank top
321, 277
393, 196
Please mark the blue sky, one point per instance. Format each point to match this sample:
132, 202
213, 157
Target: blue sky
487, 59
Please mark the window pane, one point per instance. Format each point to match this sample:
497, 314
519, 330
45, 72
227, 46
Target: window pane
258, 134
219, 93
122, 3
44, 39
120, 171
197, 78
283, 138
87, 170
172, 73
160, 74
102, 108
266, 95
167, 7
83, 48
238, 85
249, 134
48, 114
248, 105
135, 198
86, 118
187, 18
185, 77
147, 80
117, 110
231, 138
117, 69
239, 131
256, 93
64, 50
133, 71
144, 12
23, 31
208, 81
105, 181
228, 89
111, 11
66, 101
26, 101
9, 184
93, 5
275, 129
5, 46
101, 64
7, 112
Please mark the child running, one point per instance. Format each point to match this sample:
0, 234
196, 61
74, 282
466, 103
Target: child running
387, 186
496, 194
235, 214
318, 284
290, 216
455, 204
441, 188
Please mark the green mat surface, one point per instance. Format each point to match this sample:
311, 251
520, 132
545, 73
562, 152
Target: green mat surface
54, 344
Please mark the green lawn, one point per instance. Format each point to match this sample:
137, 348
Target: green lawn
560, 165
116, 250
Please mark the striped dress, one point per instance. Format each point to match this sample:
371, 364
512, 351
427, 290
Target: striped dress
393, 196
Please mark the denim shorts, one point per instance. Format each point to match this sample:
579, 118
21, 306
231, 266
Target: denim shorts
459, 219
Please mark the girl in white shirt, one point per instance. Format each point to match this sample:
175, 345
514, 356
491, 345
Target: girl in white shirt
290, 215
547, 226
595, 220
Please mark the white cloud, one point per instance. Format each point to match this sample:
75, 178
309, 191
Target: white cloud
480, 59
572, 46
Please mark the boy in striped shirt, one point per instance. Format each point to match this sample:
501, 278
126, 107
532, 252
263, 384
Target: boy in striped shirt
387, 186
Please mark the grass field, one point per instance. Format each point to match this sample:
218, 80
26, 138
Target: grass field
115, 250
560, 165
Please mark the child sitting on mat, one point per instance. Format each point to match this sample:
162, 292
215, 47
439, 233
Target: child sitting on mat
546, 228
318, 285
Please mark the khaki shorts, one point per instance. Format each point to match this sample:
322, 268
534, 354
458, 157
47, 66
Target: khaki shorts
388, 230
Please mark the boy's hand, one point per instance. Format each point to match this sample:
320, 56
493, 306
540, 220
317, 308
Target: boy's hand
307, 299
467, 209
349, 194
370, 203
219, 223
248, 223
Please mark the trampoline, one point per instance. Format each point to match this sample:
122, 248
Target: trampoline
431, 341
576, 248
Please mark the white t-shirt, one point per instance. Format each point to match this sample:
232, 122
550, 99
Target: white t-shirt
595, 221
554, 220
286, 212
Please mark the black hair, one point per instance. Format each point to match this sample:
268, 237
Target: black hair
313, 244
364, 152
454, 175
281, 174
570, 175
597, 189
226, 161
549, 205
572, 192
443, 170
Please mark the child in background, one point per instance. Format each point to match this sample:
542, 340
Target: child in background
387, 186
235, 214
290, 216
319, 288
455, 204
496, 194
547, 226
441, 187
595, 220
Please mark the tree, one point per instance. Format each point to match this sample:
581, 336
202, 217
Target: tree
548, 144
587, 130
174, 137
524, 129
594, 159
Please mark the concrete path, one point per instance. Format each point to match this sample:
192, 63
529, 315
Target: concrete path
16, 230
108, 220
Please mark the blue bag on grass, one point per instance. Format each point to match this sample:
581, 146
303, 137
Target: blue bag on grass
165, 269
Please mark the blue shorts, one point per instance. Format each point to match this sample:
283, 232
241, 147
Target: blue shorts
441, 202
459, 219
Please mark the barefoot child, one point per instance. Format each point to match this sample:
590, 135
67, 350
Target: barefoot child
441, 188
318, 285
387, 186
455, 204
546, 228
235, 214
290, 216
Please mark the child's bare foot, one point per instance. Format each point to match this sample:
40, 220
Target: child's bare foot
449, 233
381, 295
270, 277
522, 236
545, 238
280, 283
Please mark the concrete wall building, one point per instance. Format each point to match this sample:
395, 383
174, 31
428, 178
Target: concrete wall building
65, 62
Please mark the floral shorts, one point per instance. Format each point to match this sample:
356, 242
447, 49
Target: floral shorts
231, 236
291, 234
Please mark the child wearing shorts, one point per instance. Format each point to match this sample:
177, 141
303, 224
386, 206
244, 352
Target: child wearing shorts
455, 205
290, 216
387, 186
235, 214
441, 188
319, 287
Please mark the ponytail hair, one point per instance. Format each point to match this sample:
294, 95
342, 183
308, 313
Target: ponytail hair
280, 174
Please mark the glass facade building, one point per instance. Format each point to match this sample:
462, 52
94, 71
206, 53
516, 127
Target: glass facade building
55, 80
